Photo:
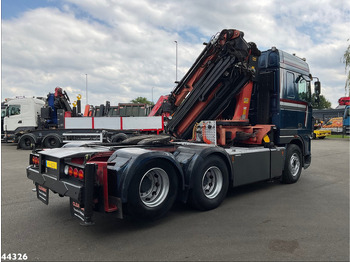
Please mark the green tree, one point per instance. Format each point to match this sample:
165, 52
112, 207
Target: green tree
141, 100
346, 60
323, 104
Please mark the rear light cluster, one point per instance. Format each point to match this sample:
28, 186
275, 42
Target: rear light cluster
74, 171
35, 160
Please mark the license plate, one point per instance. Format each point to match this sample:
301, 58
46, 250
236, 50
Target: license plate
42, 193
51, 164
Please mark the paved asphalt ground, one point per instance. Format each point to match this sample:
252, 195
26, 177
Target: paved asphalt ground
307, 221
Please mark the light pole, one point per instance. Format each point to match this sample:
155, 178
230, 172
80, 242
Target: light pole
176, 63
86, 90
152, 94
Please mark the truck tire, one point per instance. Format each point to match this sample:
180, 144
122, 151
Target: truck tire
119, 138
26, 142
52, 141
210, 184
292, 165
152, 191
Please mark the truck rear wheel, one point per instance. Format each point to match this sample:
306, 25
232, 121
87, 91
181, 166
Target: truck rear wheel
152, 191
210, 184
52, 141
292, 165
26, 142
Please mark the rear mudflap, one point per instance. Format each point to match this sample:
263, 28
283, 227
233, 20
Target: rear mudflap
84, 211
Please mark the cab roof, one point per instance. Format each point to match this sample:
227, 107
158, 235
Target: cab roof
273, 58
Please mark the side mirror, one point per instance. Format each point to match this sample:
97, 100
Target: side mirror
317, 87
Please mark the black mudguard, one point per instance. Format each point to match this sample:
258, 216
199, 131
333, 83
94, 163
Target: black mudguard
128, 160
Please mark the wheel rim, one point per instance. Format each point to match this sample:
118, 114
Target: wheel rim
52, 141
154, 187
294, 164
212, 182
28, 142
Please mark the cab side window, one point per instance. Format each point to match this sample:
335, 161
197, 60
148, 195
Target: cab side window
290, 87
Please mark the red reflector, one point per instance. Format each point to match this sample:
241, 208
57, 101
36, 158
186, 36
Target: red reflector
81, 174
75, 172
70, 171
35, 160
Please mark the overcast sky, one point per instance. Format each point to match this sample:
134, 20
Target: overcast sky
127, 48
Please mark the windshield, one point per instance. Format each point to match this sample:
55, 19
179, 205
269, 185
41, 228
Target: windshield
13, 110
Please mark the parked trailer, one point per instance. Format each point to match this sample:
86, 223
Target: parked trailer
32, 122
91, 129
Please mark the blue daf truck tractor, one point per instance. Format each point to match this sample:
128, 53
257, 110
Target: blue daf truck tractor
238, 116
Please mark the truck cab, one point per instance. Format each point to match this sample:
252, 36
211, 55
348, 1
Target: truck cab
22, 114
282, 96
